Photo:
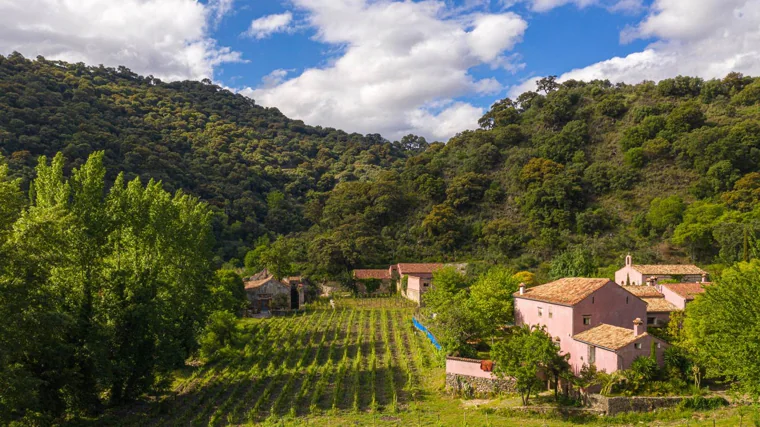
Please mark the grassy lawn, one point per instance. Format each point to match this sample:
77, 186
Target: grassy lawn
360, 364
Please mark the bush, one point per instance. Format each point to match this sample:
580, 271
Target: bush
699, 403
635, 157
645, 368
218, 333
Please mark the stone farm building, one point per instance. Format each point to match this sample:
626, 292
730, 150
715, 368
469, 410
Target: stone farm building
596, 321
383, 275
262, 287
418, 277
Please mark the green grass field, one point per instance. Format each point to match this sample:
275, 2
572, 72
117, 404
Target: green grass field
360, 364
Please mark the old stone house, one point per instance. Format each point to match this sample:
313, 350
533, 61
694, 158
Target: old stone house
382, 275
261, 292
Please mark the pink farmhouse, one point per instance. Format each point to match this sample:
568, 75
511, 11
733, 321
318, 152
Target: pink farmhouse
635, 274
596, 321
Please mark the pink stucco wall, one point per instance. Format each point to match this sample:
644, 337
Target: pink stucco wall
470, 368
632, 275
558, 325
637, 278
610, 304
415, 286
673, 298
661, 319
605, 360
610, 361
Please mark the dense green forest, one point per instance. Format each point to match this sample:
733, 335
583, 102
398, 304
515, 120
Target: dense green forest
582, 170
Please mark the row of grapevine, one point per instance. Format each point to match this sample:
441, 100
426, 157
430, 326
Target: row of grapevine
361, 357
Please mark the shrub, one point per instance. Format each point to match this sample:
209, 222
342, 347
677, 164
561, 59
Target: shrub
645, 368
218, 333
635, 157
699, 403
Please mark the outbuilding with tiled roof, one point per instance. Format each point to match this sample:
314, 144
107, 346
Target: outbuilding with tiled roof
381, 274
612, 348
640, 274
680, 294
261, 291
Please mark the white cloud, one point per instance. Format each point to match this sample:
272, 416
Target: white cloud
267, 25
398, 63
274, 78
709, 38
545, 5
166, 38
220, 9
611, 5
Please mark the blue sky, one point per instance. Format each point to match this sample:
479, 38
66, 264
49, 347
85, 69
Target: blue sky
428, 67
556, 41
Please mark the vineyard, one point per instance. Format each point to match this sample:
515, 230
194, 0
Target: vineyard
361, 363
361, 357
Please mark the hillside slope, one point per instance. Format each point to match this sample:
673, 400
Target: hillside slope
667, 171
190, 135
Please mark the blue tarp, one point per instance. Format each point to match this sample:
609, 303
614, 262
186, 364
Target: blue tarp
422, 328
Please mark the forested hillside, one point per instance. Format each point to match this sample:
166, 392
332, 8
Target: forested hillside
580, 171
252, 164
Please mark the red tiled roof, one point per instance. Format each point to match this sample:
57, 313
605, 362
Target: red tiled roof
372, 274
659, 305
669, 270
686, 290
409, 268
643, 291
567, 291
608, 336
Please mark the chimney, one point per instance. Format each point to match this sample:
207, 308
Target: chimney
522, 288
704, 277
638, 327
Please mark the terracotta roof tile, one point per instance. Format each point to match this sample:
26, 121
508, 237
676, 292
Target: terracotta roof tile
372, 274
608, 336
669, 270
643, 291
659, 305
410, 268
252, 284
686, 290
567, 291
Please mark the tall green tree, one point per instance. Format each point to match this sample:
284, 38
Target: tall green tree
521, 356
576, 262
723, 325
106, 289
491, 298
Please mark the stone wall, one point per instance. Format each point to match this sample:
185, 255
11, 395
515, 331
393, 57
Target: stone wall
615, 405
477, 386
